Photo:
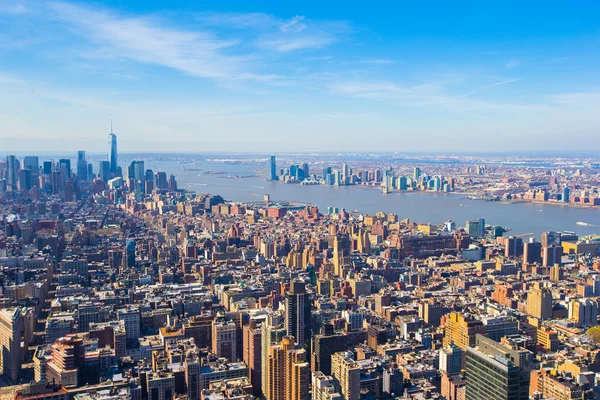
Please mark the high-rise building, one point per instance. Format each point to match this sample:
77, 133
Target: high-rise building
584, 312
114, 165
323, 387
539, 303
461, 330
552, 255
272, 332
476, 228
82, 166
32, 163
131, 317
288, 370
12, 166
252, 356
532, 252
25, 179
566, 194
451, 360
224, 339
346, 374
297, 312
273, 169
104, 170
64, 166
324, 345
497, 372
11, 332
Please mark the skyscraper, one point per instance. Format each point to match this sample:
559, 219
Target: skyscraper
297, 312
273, 170
496, 372
32, 163
272, 332
82, 166
12, 165
113, 151
11, 330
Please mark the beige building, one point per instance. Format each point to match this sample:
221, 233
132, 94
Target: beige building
11, 331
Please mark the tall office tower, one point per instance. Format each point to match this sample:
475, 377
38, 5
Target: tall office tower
305, 170
476, 228
25, 179
417, 174
551, 238
273, 169
272, 331
90, 171
539, 303
11, 332
346, 374
497, 372
224, 339
566, 194
104, 170
32, 163
252, 356
532, 252
47, 167
160, 180
461, 330
451, 360
12, 166
139, 171
82, 166
297, 312
64, 166
131, 317
323, 387
114, 165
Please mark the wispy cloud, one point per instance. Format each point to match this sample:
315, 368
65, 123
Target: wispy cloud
147, 40
491, 85
299, 34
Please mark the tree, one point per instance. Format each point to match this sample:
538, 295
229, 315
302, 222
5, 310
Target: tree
594, 334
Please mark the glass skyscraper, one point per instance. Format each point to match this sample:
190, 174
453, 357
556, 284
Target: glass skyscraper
113, 151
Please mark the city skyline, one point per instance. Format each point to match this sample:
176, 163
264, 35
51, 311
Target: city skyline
323, 77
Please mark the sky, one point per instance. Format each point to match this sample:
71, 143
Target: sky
274, 76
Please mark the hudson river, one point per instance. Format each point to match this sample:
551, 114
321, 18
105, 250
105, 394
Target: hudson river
421, 207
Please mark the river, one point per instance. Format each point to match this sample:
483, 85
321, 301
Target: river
435, 208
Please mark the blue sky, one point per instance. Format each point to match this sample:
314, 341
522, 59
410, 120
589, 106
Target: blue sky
299, 76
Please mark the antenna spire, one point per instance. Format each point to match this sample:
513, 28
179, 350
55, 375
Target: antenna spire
111, 129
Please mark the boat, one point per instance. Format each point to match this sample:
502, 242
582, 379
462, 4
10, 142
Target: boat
583, 223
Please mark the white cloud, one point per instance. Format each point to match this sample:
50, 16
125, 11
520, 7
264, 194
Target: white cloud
146, 40
295, 25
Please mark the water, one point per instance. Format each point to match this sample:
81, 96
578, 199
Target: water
435, 208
